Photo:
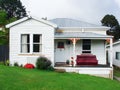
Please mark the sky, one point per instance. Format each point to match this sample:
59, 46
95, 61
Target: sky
91, 11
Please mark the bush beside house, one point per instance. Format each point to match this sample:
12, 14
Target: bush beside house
44, 64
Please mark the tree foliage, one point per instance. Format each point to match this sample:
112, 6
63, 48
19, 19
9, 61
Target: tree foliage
10, 10
111, 21
13, 8
4, 37
3, 16
4, 33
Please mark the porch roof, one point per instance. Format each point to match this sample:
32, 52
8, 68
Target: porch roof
80, 35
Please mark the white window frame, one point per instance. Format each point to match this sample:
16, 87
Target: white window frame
40, 43
30, 44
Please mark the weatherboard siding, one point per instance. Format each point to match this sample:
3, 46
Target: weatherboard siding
98, 49
31, 27
93, 30
116, 48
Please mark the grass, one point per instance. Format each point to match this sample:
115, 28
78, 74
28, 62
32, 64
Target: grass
16, 78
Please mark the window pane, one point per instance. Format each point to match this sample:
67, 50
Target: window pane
36, 38
37, 42
118, 55
25, 48
25, 38
36, 48
25, 45
86, 44
60, 45
86, 47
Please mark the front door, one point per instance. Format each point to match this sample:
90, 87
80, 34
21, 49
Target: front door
86, 46
60, 51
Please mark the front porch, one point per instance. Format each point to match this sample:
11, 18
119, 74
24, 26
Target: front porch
101, 70
85, 51
69, 45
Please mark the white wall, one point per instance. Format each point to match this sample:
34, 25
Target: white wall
61, 55
97, 71
116, 48
93, 30
31, 27
97, 48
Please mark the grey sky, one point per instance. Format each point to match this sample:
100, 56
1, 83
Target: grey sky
86, 10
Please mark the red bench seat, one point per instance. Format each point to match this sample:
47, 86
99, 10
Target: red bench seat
86, 59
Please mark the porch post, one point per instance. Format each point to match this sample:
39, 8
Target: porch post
74, 43
74, 40
111, 52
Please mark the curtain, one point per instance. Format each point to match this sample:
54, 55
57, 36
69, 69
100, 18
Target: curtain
25, 43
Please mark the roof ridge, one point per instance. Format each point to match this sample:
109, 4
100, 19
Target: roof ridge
76, 20
70, 22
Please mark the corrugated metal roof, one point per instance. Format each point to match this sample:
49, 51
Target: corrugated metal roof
66, 22
80, 35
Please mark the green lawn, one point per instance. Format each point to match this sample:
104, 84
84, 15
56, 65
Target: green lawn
16, 78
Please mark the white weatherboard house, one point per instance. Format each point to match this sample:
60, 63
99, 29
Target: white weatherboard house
116, 53
61, 39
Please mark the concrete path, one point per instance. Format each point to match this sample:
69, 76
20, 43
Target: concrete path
117, 78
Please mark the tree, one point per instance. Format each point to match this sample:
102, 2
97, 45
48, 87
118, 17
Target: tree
4, 37
4, 33
13, 8
10, 10
3, 16
111, 21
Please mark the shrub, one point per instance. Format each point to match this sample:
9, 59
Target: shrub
43, 63
50, 68
7, 62
60, 70
67, 62
16, 64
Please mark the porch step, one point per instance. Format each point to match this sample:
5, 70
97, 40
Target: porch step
60, 64
60, 70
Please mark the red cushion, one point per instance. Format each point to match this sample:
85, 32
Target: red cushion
85, 59
29, 66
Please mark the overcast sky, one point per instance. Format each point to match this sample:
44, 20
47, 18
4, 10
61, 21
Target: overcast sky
85, 10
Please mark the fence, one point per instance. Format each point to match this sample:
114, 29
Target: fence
4, 52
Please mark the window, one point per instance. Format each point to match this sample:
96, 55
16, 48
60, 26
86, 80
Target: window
60, 45
118, 55
37, 43
25, 43
31, 45
86, 46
